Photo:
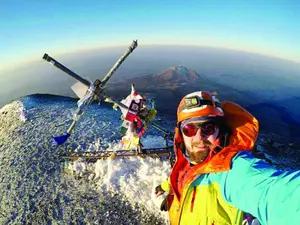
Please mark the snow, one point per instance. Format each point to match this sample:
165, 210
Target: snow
135, 178
13, 110
38, 187
16, 108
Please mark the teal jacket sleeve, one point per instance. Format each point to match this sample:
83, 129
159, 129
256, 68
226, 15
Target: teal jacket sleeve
269, 194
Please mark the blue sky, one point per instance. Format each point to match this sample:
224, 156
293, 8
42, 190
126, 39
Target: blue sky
30, 28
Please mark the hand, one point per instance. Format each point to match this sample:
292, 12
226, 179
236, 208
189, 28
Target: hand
158, 191
164, 204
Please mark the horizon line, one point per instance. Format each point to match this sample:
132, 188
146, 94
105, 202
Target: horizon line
10, 66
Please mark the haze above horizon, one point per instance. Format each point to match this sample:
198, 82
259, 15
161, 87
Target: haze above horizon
31, 28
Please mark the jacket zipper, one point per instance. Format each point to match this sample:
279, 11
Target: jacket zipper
181, 207
193, 199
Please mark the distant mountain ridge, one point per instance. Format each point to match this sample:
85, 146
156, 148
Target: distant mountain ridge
176, 74
172, 77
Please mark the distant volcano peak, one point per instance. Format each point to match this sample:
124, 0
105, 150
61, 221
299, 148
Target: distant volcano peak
180, 69
177, 73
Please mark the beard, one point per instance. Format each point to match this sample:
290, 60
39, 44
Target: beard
199, 156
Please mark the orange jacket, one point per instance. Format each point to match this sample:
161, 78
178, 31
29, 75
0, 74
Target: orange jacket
192, 203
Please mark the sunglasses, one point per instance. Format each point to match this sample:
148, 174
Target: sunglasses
207, 129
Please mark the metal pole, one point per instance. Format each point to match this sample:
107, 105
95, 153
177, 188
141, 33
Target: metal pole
65, 69
119, 62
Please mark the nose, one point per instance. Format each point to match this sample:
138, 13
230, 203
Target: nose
199, 136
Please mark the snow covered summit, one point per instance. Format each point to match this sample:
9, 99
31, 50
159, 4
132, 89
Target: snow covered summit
39, 187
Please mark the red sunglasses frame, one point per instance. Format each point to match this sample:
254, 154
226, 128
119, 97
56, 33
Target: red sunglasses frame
191, 129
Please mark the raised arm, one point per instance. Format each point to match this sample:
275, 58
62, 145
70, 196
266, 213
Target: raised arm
271, 195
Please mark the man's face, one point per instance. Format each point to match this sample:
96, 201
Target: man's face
199, 138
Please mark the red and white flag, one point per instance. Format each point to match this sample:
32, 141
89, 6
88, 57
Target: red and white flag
133, 102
